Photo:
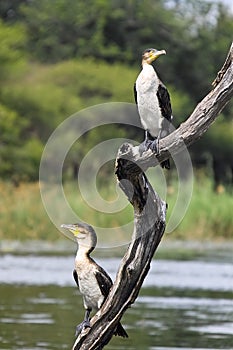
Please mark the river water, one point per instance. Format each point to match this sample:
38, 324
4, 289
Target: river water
184, 304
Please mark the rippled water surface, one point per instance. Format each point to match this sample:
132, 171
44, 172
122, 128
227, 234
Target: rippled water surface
182, 305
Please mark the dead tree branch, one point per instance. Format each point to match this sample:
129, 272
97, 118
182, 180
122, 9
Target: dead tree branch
149, 209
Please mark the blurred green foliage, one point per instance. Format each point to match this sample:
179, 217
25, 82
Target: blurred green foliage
12, 53
58, 57
22, 215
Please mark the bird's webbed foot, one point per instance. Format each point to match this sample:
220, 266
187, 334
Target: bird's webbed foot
155, 146
80, 327
144, 146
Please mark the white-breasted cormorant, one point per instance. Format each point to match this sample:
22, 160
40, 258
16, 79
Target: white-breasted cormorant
153, 101
92, 280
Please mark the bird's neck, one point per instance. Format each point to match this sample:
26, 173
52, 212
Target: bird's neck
83, 252
147, 66
149, 71
83, 261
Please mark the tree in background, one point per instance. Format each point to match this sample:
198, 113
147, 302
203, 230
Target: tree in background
60, 56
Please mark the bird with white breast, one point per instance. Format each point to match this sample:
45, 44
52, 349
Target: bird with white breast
153, 102
92, 280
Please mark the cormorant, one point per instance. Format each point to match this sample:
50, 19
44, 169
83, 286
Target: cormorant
153, 101
92, 280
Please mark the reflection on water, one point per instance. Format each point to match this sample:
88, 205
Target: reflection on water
183, 305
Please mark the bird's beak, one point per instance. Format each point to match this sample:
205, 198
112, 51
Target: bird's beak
158, 53
72, 228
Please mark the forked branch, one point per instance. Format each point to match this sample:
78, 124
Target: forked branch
149, 209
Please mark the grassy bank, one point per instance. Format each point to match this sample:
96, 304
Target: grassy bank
23, 217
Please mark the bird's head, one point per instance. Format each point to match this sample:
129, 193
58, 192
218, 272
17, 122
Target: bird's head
83, 233
150, 55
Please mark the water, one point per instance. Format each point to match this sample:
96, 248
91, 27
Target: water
182, 305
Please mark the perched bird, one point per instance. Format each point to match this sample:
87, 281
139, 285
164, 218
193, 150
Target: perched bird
92, 280
153, 101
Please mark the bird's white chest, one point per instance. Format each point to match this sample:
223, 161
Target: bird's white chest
148, 106
88, 285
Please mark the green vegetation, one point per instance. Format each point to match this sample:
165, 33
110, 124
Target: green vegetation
23, 217
209, 214
22, 214
59, 57
62, 56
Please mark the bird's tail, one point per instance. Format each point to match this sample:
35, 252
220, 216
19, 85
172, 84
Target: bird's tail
166, 164
120, 331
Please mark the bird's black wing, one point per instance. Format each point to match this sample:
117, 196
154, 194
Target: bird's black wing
75, 275
135, 93
164, 102
104, 281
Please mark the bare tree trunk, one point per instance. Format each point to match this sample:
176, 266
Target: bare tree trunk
149, 209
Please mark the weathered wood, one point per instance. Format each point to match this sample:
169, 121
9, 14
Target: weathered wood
149, 209
150, 213
224, 68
